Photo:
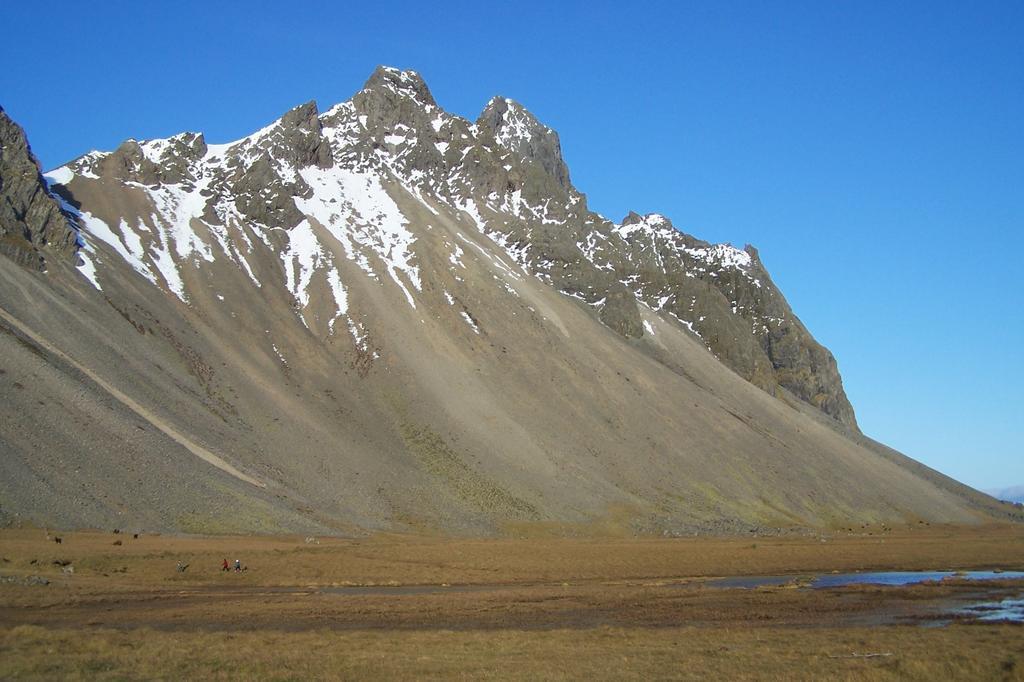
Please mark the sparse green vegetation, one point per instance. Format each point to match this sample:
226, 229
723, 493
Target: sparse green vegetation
465, 482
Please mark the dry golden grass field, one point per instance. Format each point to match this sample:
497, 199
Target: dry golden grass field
410, 607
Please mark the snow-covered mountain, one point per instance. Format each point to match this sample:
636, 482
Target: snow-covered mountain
321, 180
384, 315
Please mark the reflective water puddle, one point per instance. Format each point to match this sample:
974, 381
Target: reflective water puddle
872, 578
909, 577
1010, 609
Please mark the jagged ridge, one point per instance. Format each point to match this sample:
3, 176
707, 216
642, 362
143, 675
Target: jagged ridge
507, 173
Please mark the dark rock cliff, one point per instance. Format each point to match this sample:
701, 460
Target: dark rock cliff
32, 224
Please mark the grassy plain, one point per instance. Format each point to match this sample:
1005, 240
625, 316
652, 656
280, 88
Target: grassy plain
530, 608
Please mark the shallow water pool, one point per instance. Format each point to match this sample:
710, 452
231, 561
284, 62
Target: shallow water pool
1010, 609
908, 577
826, 580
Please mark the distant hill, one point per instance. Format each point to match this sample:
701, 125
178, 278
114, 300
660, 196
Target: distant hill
1012, 494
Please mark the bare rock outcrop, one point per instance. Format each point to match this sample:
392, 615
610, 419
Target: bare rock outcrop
32, 224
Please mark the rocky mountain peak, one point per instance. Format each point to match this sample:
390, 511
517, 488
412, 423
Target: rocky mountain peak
390, 82
393, 104
298, 138
632, 218
654, 220
516, 129
305, 117
31, 220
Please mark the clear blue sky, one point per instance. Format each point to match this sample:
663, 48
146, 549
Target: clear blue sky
872, 151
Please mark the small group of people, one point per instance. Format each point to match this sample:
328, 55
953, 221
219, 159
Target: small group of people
238, 566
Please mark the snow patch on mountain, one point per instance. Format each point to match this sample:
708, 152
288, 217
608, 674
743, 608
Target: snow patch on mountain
364, 218
59, 176
516, 126
470, 321
304, 256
